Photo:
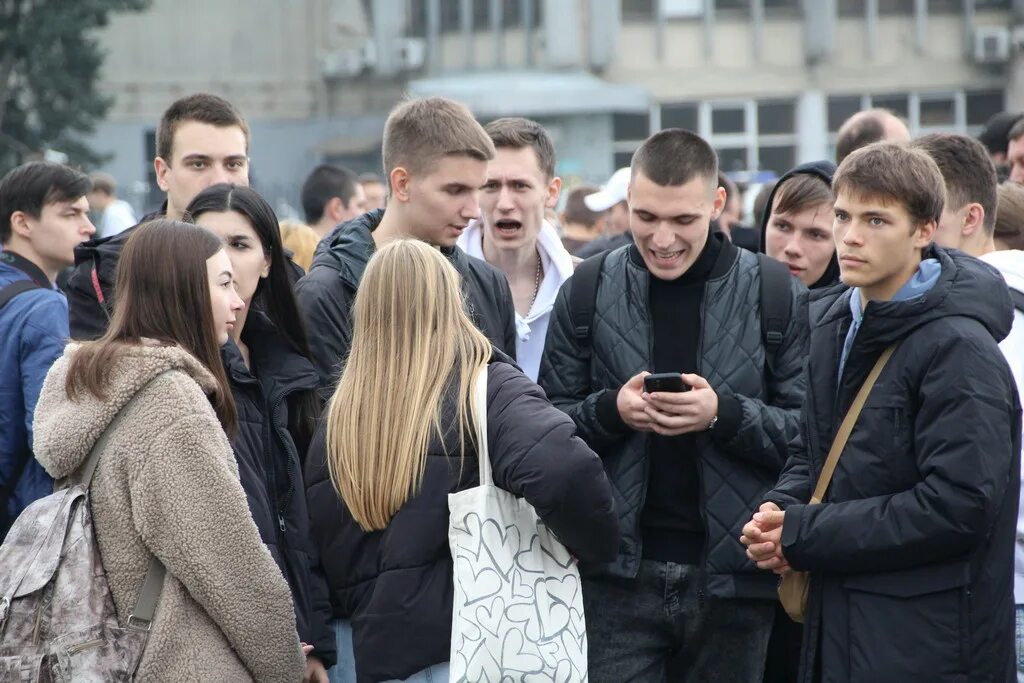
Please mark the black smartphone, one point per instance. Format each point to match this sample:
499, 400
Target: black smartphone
666, 382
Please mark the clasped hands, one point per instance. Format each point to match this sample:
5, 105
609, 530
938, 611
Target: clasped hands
667, 413
763, 537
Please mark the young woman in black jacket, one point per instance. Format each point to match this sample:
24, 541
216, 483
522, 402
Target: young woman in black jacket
273, 384
395, 444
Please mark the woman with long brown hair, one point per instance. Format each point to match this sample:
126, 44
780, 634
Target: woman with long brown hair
394, 446
166, 485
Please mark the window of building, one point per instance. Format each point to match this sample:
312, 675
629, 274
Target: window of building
450, 12
679, 116
638, 10
628, 132
983, 105
728, 119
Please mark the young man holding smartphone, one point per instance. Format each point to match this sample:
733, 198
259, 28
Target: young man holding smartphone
910, 551
683, 300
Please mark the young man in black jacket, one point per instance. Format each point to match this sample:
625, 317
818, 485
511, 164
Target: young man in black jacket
683, 300
910, 552
435, 156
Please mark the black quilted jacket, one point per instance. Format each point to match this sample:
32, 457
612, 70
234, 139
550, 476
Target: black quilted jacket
738, 462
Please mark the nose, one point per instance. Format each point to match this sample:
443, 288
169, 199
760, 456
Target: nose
504, 200
663, 238
792, 247
89, 228
471, 209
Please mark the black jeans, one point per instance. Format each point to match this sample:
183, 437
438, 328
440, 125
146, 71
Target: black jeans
635, 627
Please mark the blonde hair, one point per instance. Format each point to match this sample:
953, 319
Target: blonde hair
418, 132
301, 240
411, 340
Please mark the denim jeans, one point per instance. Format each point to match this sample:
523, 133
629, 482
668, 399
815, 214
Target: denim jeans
635, 627
1020, 643
345, 670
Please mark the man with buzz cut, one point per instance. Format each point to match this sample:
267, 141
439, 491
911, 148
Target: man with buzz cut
910, 550
690, 456
435, 158
201, 140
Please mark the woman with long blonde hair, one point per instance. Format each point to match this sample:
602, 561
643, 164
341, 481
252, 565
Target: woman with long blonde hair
397, 440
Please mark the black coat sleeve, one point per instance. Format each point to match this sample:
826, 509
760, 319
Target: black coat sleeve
795, 485
536, 455
768, 430
964, 445
565, 377
326, 305
507, 311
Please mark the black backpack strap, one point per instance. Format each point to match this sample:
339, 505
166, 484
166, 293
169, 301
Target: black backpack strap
583, 297
1018, 299
776, 301
14, 289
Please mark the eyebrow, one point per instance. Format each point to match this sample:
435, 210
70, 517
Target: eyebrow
457, 186
206, 157
692, 216
228, 273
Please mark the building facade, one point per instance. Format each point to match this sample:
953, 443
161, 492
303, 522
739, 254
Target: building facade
768, 82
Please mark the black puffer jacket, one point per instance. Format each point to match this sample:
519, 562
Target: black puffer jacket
396, 585
270, 468
758, 411
911, 552
327, 292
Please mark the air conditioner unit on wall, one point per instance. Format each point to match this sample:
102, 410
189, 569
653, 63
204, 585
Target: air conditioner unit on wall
991, 44
348, 63
410, 53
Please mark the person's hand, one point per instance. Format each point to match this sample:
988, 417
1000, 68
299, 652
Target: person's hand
763, 537
675, 413
632, 407
306, 649
315, 671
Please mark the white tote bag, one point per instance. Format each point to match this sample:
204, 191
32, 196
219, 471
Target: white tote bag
518, 612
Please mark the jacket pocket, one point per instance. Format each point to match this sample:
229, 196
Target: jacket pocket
909, 625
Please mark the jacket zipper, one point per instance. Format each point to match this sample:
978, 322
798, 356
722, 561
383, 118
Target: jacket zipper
282, 505
88, 645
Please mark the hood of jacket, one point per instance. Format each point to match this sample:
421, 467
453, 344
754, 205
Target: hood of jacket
824, 170
66, 429
966, 287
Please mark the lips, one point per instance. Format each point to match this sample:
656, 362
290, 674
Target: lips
508, 227
851, 260
666, 256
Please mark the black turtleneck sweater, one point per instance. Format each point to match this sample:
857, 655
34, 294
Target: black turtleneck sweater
673, 530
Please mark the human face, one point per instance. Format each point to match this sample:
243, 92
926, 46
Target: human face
1015, 157
618, 218
98, 201
356, 205
249, 262
878, 245
670, 224
441, 202
202, 155
224, 300
375, 195
515, 197
53, 236
802, 240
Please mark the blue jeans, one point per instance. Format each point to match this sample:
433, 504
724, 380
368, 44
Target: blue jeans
345, 670
661, 626
1020, 643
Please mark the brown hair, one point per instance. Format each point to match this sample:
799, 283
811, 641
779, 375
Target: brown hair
1016, 132
201, 107
517, 133
894, 173
801, 191
163, 293
576, 210
1009, 227
674, 157
103, 182
967, 169
418, 132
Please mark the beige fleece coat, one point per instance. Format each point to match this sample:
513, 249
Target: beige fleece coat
167, 484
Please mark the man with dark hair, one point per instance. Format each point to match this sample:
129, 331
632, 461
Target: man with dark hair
866, 127
580, 225
202, 140
435, 155
115, 215
996, 138
331, 196
909, 552
375, 190
512, 234
689, 451
1015, 152
44, 215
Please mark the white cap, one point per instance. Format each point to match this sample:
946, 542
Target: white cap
613, 192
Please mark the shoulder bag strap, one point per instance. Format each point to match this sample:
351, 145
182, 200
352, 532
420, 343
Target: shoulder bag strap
479, 404
846, 428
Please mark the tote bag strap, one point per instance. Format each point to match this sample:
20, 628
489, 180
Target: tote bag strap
479, 406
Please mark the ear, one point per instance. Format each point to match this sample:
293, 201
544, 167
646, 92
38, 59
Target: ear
554, 189
719, 204
974, 219
20, 224
266, 266
162, 168
333, 209
400, 180
924, 234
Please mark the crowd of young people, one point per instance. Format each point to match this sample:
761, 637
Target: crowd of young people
285, 442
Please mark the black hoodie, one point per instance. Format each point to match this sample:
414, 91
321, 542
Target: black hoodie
824, 170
